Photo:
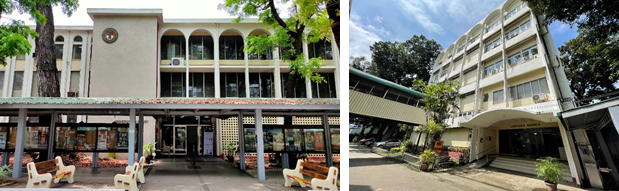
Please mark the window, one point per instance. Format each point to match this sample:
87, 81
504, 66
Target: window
232, 85
515, 10
75, 81
172, 84
201, 48
525, 54
1, 81
172, 46
261, 85
321, 49
445, 72
299, 87
486, 97
496, 24
77, 39
460, 49
21, 57
231, 48
325, 89
77, 48
493, 44
528, 89
493, 68
201, 84
513, 33
59, 39
18, 81
58, 52
497, 97
474, 39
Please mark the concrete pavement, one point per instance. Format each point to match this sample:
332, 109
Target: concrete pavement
369, 171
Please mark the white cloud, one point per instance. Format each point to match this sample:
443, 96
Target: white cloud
361, 37
416, 10
379, 19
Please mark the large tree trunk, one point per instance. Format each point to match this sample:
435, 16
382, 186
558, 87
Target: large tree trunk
46, 61
332, 8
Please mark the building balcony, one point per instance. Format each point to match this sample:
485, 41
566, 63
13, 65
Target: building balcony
232, 62
470, 64
459, 54
453, 73
201, 62
468, 87
491, 79
519, 14
491, 32
547, 106
261, 62
521, 37
525, 66
491, 52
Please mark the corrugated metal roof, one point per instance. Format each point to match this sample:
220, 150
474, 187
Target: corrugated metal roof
386, 83
72, 100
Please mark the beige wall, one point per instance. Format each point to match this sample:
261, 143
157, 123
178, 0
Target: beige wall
472, 57
469, 77
521, 46
127, 67
467, 103
489, 90
456, 137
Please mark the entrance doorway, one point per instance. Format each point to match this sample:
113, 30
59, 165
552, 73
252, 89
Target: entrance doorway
187, 139
532, 143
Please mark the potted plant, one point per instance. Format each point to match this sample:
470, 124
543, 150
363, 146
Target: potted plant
5, 171
549, 169
150, 152
426, 158
231, 148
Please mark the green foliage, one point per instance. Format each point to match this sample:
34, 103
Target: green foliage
549, 169
354, 140
432, 127
441, 99
592, 66
231, 148
396, 149
360, 63
4, 172
404, 62
599, 16
407, 146
307, 17
428, 156
149, 149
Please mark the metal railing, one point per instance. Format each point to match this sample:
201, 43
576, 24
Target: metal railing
488, 152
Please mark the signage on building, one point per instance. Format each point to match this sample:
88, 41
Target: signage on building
208, 144
127, 121
526, 125
110, 35
438, 146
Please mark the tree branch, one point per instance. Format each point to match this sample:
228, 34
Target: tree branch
276, 15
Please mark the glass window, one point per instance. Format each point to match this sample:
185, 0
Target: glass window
527, 89
254, 85
18, 81
267, 85
75, 81
58, 52
85, 138
273, 139
294, 139
123, 138
166, 84
196, 85
497, 97
535, 87
486, 97
335, 140
77, 52
1, 80
299, 87
325, 89
321, 49
59, 39
201, 48
36, 138
172, 46
178, 84
544, 85
107, 138
513, 95
314, 140
4, 135
232, 84
231, 48
520, 91
250, 139
77, 39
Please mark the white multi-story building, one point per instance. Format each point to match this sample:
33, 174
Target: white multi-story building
511, 82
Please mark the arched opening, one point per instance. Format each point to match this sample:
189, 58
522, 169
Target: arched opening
231, 44
172, 45
59, 45
264, 55
201, 46
493, 20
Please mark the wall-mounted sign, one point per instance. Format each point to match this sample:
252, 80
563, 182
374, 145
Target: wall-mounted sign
526, 125
110, 35
438, 146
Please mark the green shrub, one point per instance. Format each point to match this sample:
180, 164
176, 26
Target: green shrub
354, 140
396, 149
549, 169
4, 172
407, 146
428, 156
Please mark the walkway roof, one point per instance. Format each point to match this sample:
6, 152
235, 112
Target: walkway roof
387, 83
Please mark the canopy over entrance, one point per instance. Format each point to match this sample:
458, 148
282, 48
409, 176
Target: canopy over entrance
491, 117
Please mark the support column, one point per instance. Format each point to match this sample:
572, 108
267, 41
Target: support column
241, 143
141, 136
19, 145
605, 152
614, 116
260, 145
95, 160
51, 136
567, 145
5, 158
131, 152
329, 152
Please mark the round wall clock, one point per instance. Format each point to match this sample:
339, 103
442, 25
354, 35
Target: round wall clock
110, 35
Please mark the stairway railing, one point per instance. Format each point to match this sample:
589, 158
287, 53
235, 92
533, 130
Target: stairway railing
488, 152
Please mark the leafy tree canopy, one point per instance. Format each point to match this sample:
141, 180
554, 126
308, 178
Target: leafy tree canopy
441, 99
360, 63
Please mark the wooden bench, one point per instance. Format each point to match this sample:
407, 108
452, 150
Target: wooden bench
42, 178
323, 178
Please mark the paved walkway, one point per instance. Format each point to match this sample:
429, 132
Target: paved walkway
369, 171
174, 174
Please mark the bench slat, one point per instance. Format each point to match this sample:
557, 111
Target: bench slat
45, 163
313, 174
48, 170
317, 168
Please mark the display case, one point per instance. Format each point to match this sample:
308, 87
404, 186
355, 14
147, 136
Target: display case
291, 139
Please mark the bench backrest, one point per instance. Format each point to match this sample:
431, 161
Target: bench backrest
315, 171
45, 166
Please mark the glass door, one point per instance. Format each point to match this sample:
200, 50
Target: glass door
180, 140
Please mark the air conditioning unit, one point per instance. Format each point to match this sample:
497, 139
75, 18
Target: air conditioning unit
513, 35
539, 98
73, 94
178, 61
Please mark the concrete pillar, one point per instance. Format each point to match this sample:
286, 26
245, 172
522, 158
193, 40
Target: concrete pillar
131, 152
260, 145
241, 143
606, 154
140, 135
5, 158
329, 152
568, 146
95, 160
51, 136
19, 145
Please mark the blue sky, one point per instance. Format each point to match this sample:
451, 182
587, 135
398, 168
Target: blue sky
442, 20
